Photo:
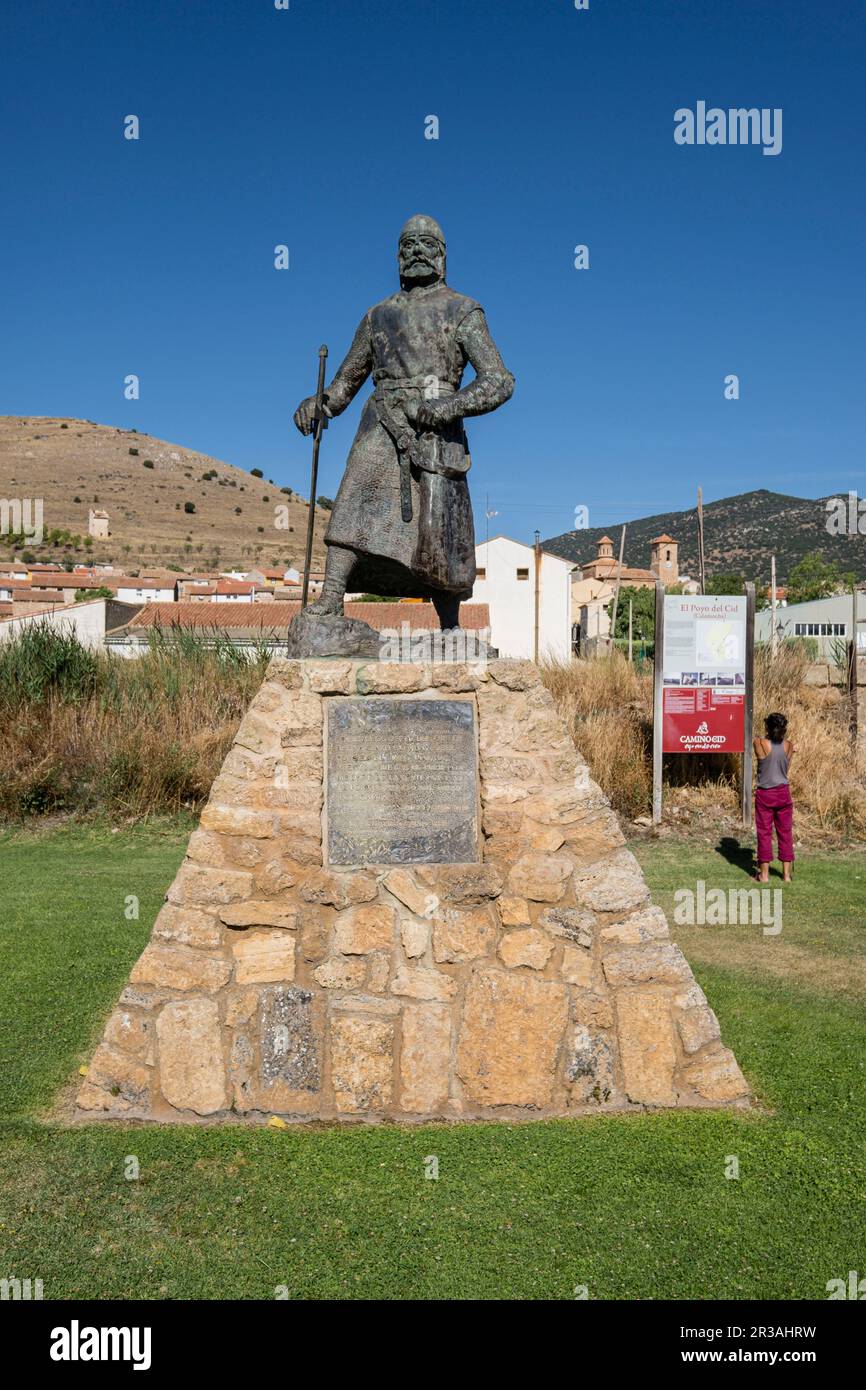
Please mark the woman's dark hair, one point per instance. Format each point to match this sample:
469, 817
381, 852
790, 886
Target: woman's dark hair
776, 726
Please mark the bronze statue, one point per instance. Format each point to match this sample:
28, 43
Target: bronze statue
402, 519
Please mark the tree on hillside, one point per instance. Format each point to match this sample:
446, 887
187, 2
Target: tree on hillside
814, 577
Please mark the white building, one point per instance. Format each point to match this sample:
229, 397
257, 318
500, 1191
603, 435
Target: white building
529, 598
145, 591
828, 621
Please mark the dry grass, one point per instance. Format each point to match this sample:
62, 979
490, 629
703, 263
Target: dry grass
608, 709
91, 733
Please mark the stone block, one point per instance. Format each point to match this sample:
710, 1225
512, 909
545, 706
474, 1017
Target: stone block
615, 884
342, 972
338, 889
461, 934
116, 1082
716, 1078
406, 889
649, 924
263, 957
180, 967
191, 1064
362, 1051
425, 1058
237, 820
420, 983
697, 1027
526, 946
511, 1031
570, 924
513, 912
197, 885
656, 963
188, 926
391, 678
590, 1067
470, 884
415, 936
362, 929
542, 878
647, 1046
133, 1033
260, 914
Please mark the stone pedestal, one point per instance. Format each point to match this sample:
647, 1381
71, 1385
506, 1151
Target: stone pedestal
407, 900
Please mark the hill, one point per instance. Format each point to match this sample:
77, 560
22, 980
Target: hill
741, 534
144, 484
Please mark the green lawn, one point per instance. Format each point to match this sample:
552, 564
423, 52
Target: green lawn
632, 1207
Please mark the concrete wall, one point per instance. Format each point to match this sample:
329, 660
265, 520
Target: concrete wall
86, 620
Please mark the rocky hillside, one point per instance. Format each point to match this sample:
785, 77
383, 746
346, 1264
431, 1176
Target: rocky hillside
740, 534
149, 489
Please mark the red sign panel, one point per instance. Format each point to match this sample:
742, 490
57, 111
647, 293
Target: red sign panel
701, 720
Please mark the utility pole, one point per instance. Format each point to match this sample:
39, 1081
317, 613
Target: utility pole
773, 638
852, 670
658, 668
616, 590
537, 590
701, 540
630, 606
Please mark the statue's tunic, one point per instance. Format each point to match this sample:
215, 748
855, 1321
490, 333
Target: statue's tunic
415, 345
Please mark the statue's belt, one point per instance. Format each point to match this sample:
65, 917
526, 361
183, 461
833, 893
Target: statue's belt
405, 439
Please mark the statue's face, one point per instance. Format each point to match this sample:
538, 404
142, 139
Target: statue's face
421, 259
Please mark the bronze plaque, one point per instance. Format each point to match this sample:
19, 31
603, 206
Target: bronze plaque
402, 782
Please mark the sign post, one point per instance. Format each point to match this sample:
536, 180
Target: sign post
749, 723
658, 671
703, 683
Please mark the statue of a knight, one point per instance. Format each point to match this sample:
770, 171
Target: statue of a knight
402, 519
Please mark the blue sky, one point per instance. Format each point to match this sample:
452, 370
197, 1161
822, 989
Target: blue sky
306, 127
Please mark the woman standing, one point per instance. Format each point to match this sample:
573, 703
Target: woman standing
774, 808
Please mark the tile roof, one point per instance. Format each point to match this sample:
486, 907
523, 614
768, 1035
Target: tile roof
270, 617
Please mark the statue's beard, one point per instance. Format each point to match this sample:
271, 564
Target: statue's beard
420, 272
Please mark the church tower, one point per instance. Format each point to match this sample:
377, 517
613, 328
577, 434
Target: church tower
663, 559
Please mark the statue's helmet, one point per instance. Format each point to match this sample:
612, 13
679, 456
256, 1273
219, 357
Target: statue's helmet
421, 250
422, 225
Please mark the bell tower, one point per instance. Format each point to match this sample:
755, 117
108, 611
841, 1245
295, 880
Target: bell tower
604, 548
663, 559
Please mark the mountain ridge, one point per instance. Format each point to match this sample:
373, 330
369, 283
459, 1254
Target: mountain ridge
741, 534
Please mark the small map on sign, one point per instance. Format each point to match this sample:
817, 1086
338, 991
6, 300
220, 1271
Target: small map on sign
719, 642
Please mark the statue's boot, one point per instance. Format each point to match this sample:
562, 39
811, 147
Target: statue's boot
322, 628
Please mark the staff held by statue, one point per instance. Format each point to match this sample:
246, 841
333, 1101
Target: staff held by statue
321, 423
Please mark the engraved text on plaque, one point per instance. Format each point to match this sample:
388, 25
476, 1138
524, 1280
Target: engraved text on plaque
402, 782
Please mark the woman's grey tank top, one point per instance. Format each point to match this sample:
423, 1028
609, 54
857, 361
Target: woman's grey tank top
773, 770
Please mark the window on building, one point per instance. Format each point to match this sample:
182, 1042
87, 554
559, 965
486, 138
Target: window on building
481, 574
523, 574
